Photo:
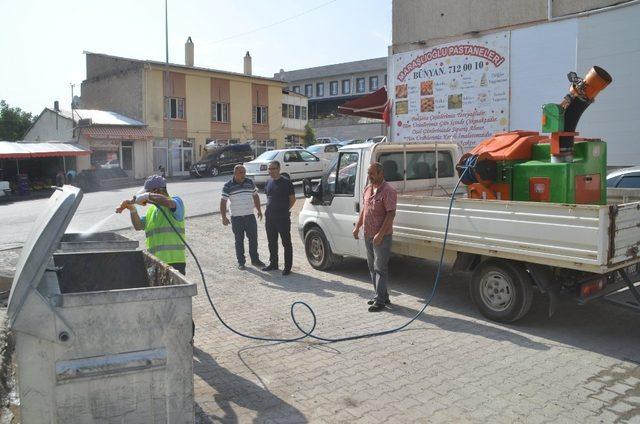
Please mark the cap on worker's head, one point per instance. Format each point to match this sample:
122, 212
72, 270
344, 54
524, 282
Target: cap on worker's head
155, 182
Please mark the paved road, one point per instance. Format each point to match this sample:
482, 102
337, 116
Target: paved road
201, 196
450, 366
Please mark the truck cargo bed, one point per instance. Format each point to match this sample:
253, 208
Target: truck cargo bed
593, 238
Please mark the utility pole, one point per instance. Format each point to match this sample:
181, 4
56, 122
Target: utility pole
72, 85
167, 102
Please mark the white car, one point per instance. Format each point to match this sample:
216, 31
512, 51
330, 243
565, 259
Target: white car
325, 140
326, 151
295, 164
112, 164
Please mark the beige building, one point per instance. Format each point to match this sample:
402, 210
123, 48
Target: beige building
202, 105
295, 114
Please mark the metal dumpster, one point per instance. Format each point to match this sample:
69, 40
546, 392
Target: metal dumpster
100, 336
72, 242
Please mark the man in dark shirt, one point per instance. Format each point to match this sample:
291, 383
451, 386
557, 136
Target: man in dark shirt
280, 198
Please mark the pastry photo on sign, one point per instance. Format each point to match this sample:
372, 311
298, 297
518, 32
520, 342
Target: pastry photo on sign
427, 104
455, 101
402, 108
426, 88
401, 91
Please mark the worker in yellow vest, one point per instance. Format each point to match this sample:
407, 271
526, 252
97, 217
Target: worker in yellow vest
162, 239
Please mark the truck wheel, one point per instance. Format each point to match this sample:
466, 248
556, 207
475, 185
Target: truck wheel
318, 250
502, 290
286, 176
215, 171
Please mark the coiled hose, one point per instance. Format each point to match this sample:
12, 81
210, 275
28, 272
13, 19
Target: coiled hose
310, 333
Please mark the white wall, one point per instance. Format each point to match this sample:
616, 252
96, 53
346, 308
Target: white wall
541, 58
50, 127
295, 124
611, 40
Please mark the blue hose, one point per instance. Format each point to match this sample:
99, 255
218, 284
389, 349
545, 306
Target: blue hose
310, 333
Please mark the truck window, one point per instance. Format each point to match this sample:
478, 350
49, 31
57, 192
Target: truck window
392, 166
420, 165
347, 167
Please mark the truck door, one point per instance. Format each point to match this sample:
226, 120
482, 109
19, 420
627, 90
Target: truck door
342, 211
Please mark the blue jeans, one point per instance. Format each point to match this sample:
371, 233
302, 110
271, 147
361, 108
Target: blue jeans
378, 261
242, 225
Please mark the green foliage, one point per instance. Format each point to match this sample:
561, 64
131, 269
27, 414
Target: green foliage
14, 122
309, 135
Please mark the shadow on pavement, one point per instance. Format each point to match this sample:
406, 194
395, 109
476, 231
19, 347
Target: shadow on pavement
597, 327
302, 283
234, 389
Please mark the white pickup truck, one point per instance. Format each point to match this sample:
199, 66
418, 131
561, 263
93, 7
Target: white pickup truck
512, 248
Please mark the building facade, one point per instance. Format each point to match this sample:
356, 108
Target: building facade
295, 112
330, 86
527, 48
115, 141
190, 108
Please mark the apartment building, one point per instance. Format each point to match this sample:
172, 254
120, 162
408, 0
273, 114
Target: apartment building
187, 109
330, 86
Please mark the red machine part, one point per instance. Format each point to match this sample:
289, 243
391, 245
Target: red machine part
588, 189
539, 189
513, 145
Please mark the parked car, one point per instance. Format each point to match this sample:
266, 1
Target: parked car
326, 140
624, 178
326, 151
377, 139
222, 159
295, 164
112, 164
354, 141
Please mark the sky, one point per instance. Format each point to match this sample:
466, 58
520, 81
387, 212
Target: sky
41, 42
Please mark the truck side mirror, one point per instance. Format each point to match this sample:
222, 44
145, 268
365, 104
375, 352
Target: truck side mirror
315, 193
306, 188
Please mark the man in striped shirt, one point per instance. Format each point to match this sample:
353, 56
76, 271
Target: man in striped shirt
242, 194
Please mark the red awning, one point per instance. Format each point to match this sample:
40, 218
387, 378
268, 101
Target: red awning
369, 106
15, 150
122, 132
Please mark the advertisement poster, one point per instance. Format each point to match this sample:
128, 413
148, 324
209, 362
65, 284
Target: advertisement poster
455, 92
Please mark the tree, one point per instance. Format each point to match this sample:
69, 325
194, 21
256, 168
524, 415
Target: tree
14, 122
309, 135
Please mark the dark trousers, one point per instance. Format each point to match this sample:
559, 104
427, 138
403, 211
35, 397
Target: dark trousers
242, 225
280, 224
180, 267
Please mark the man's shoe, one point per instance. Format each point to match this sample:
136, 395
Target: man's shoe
241, 267
286, 271
372, 301
376, 307
258, 264
270, 267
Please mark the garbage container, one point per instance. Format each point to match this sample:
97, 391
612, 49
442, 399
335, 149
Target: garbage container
100, 336
103, 241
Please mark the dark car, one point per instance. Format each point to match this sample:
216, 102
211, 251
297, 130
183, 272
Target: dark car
222, 159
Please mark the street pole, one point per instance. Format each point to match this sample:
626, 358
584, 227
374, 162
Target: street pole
167, 103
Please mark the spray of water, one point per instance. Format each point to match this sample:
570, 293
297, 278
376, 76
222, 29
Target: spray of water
97, 226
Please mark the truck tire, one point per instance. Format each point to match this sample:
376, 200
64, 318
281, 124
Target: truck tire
502, 290
318, 251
